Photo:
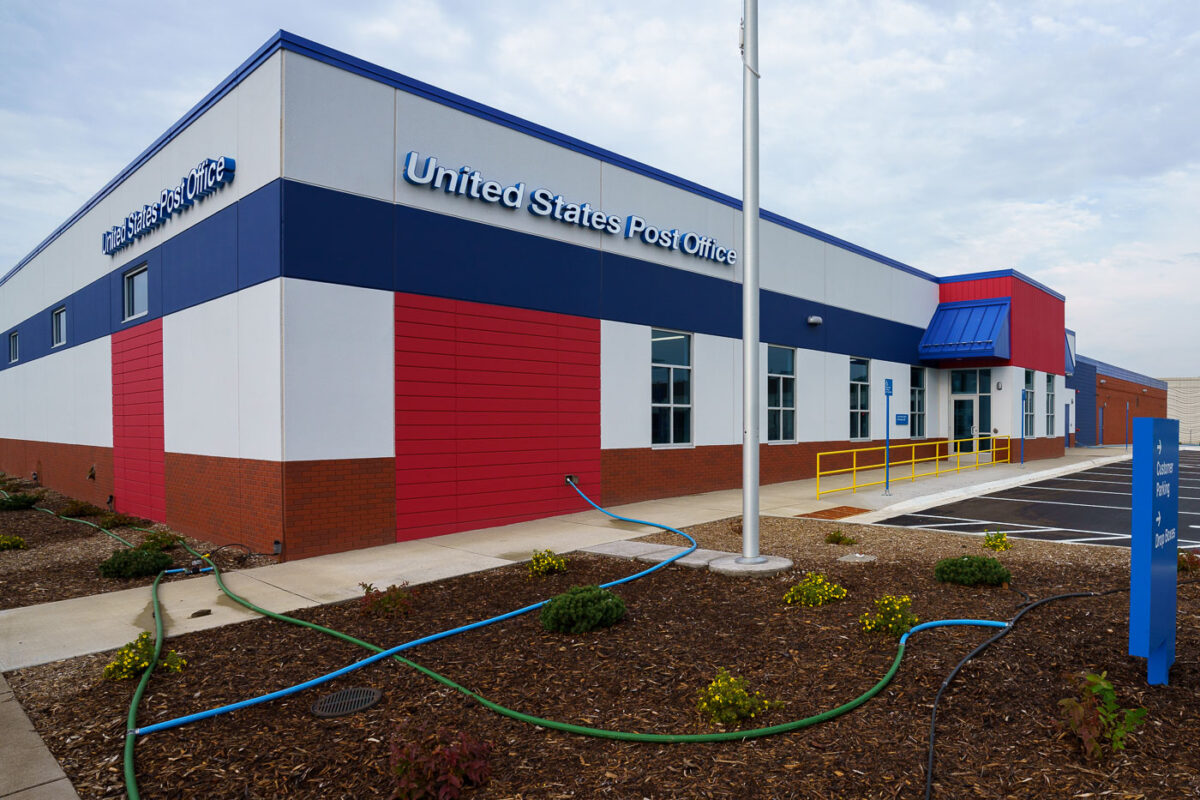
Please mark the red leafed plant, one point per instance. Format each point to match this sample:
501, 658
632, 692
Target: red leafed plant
437, 765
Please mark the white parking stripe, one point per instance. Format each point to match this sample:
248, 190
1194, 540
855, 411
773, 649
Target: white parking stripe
1010, 525
1081, 491
1085, 480
1055, 503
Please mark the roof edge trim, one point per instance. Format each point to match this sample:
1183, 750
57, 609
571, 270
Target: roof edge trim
1002, 273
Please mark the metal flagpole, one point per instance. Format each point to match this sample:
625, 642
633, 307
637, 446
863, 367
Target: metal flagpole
750, 332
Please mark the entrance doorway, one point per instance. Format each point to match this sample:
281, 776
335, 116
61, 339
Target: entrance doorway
971, 399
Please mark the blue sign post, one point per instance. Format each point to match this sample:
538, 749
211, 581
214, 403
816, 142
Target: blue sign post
887, 436
1154, 557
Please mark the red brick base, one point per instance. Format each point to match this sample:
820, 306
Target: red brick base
226, 500
62, 467
331, 506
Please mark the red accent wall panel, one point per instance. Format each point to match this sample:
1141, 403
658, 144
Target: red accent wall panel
1037, 319
139, 483
494, 406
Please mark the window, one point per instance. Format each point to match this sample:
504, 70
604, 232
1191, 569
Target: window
14, 348
781, 394
860, 398
1049, 405
58, 327
1029, 390
136, 293
916, 403
670, 387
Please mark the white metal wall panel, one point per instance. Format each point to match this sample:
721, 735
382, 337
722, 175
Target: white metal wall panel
835, 383
339, 363
858, 283
624, 385
339, 129
913, 299
260, 371
716, 390
63, 397
92, 410
811, 398
791, 263
200, 379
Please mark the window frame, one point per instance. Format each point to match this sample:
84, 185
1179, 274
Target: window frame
58, 332
14, 347
916, 418
128, 297
1028, 407
781, 409
1050, 405
671, 404
860, 390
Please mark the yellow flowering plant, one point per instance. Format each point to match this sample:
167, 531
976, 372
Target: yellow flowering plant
134, 658
892, 616
996, 541
545, 562
727, 701
814, 590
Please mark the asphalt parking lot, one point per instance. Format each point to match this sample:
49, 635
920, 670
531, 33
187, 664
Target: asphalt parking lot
1091, 506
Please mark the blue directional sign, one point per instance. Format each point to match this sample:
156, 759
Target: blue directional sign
902, 419
887, 387
1154, 557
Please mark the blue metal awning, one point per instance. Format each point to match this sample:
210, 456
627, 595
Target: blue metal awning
968, 329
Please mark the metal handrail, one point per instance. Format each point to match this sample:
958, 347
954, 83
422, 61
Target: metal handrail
941, 452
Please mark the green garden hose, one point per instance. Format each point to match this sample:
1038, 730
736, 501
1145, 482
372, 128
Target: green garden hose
131, 724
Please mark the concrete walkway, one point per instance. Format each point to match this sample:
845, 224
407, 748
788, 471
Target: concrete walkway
53, 631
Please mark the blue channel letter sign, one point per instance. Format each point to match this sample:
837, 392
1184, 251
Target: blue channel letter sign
1154, 560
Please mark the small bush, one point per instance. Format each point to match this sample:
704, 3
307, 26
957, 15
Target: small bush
439, 765
972, 571
727, 701
814, 591
134, 658
545, 562
892, 615
1188, 561
837, 537
1096, 718
19, 501
11, 542
159, 540
78, 508
111, 520
392, 601
996, 541
581, 609
135, 563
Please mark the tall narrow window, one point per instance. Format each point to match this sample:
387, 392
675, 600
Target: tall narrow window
916, 403
1029, 390
14, 347
1049, 405
58, 327
670, 387
781, 394
860, 398
136, 293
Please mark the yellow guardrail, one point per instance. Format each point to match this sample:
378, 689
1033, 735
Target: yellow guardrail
997, 449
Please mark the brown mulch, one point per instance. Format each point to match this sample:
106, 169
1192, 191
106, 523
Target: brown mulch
837, 512
62, 558
996, 736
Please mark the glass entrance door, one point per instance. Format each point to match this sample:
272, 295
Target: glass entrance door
964, 424
984, 424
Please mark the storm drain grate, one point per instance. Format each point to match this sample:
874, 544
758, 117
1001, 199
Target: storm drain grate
347, 701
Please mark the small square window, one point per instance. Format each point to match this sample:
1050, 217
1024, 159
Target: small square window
58, 327
14, 347
137, 292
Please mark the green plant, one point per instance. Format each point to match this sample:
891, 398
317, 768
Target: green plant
892, 615
727, 701
545, 562
996, 541
814, 590
581, 609
134, 563
134, 658
438, 765
972, 571
1096, 718
19, 501
78, 508
1188, 561
159, 540
392, 601
11, 542
837, 537
113, 520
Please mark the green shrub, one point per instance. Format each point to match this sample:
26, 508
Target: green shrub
392, 601
814, 591
78, 508
111, 520
996, 541
727, 701
837, 537
545, 562
11, 542
19, 501
1096, 718
159, 540
972, 571
135, 563
134, 658
892, 615
438, 766
581, 609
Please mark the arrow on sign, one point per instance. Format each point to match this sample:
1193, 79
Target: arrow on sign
1158, 519
1159, 450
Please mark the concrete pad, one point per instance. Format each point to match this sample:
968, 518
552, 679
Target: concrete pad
27, 766
517, 542
631, 550
857, 558
728, 565
55, 790
697, 559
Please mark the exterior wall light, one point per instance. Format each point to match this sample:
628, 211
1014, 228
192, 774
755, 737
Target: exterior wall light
1102, 380
999, 385
815, 320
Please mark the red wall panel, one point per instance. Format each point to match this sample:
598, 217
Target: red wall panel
1037, 320
494, 406
139, 483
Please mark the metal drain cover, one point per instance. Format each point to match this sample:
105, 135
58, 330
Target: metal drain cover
347, 701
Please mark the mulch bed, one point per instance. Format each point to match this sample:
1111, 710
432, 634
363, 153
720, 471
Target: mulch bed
997, 736
61, 558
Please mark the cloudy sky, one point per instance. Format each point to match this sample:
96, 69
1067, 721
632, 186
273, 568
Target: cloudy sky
1058, 138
